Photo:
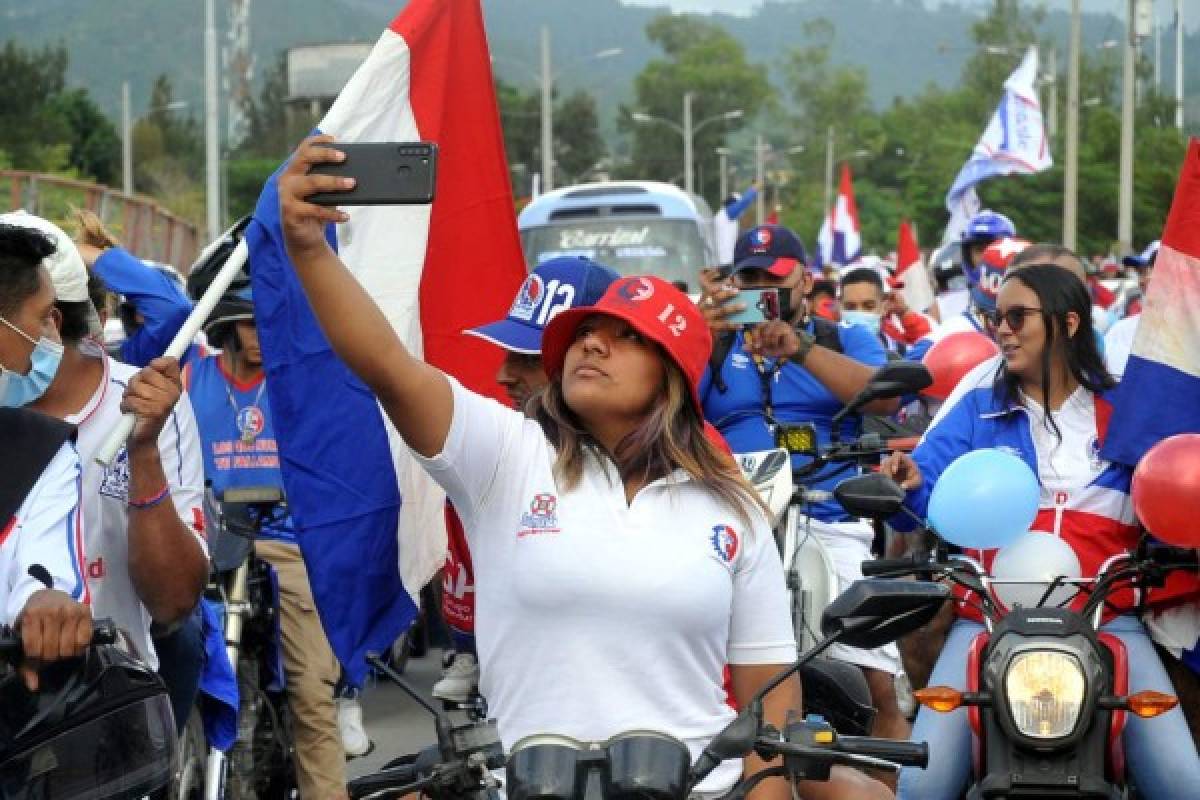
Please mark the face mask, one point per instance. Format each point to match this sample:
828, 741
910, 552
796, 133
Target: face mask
865, 318
19, 390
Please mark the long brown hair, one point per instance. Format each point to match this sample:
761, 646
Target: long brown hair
671, 436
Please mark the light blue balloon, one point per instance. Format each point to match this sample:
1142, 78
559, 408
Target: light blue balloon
984, 499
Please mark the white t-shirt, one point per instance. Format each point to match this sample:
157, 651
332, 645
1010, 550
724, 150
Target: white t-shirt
595, 616
46, 530
106, 492
1118, 344
953, 302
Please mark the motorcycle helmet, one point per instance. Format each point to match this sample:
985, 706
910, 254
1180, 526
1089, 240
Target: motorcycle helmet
234, 306
100, 727
984, 228
838, 692
213, 257
946, 267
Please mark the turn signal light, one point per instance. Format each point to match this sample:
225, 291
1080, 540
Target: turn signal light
942, 699
1150, 704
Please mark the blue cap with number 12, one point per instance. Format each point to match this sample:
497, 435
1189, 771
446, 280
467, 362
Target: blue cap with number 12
556, 285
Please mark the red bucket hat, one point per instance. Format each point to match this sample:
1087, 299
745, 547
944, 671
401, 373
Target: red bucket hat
655, 309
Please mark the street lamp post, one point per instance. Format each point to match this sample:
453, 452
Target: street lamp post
127, 134
1137, 19
1071, 167
688, 131
723, 156
545, 79
212, 191
1179, 64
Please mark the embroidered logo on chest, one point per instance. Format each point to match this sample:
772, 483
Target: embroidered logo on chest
725, 543
541, 518
115, 482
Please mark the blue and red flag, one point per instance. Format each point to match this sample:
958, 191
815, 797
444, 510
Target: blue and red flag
434, 271
1159, 395
840, 239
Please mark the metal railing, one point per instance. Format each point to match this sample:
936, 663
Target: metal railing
144, 227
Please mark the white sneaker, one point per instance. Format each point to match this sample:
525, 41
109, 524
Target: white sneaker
350, 725
459, 680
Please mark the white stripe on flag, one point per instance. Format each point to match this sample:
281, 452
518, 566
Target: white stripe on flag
384, 247
1169, 332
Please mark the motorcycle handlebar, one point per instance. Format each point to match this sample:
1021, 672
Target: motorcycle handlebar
12, 650
1175, 557
906, 754
918, 562
395, 778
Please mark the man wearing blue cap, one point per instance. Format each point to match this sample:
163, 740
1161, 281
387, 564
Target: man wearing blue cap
783, 375
1118, 341
555, 286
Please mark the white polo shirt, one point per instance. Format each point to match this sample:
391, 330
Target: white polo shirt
106, 492
595, 616
45, 530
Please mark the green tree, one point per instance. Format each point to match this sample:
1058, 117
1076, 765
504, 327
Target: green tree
702, 58
267, 131
95, 147
578, 146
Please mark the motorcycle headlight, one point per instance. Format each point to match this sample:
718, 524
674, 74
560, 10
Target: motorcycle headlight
1045, 690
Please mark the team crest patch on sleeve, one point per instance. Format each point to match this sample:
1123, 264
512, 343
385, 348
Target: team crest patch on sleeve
542, 516
115, 482
725, 542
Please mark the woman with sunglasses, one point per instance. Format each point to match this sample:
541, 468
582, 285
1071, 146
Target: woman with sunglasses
621, 560
1047, 403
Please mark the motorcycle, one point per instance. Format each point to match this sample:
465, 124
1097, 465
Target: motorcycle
260, 763
842, 694
1047, 690
99, 727
463, 765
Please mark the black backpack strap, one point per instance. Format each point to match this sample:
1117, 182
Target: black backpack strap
28, 443
722, 344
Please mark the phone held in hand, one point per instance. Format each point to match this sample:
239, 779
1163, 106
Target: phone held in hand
385, 174
761, 305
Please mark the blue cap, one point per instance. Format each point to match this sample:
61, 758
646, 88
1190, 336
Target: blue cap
555, 286
987, 226
773, 248
1146, 259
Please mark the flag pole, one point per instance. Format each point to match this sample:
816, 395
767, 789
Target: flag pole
179, 345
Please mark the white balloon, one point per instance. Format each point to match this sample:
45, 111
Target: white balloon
1039, 557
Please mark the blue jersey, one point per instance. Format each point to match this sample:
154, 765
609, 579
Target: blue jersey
236, 433
797, 397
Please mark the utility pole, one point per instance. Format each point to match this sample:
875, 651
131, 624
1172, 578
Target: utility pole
760, 155
723, 156
547, 114
689, 179
1157, 55
1071, 167
126, 141
212, 191
828, 169
1137, 27
1179, 64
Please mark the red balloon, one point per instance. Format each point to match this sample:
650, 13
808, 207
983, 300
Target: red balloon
1166, 487
951, 358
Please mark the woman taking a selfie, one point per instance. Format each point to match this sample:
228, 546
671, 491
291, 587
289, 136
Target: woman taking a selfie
621, 560
1047, 404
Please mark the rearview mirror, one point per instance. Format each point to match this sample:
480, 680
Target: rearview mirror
876, 611
898, 378
874, 496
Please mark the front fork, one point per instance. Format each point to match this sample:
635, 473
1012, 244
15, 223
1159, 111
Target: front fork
237, 607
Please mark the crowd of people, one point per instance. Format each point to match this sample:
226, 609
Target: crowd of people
609, 567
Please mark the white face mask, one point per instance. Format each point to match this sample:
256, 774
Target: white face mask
867, 319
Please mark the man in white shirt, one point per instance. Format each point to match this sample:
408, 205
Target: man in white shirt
147, 559
1118, 341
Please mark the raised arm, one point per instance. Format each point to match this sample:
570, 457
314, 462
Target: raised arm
416, 396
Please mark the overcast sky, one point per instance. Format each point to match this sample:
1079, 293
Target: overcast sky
1165, 8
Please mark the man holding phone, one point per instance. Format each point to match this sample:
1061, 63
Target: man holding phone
769, 376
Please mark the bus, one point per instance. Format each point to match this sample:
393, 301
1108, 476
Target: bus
635, 227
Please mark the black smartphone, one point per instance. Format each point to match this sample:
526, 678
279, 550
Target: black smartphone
385, 174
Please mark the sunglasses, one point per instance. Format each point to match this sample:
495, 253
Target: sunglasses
1015, 317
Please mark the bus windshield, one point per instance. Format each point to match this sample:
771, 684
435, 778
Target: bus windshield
672, 249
